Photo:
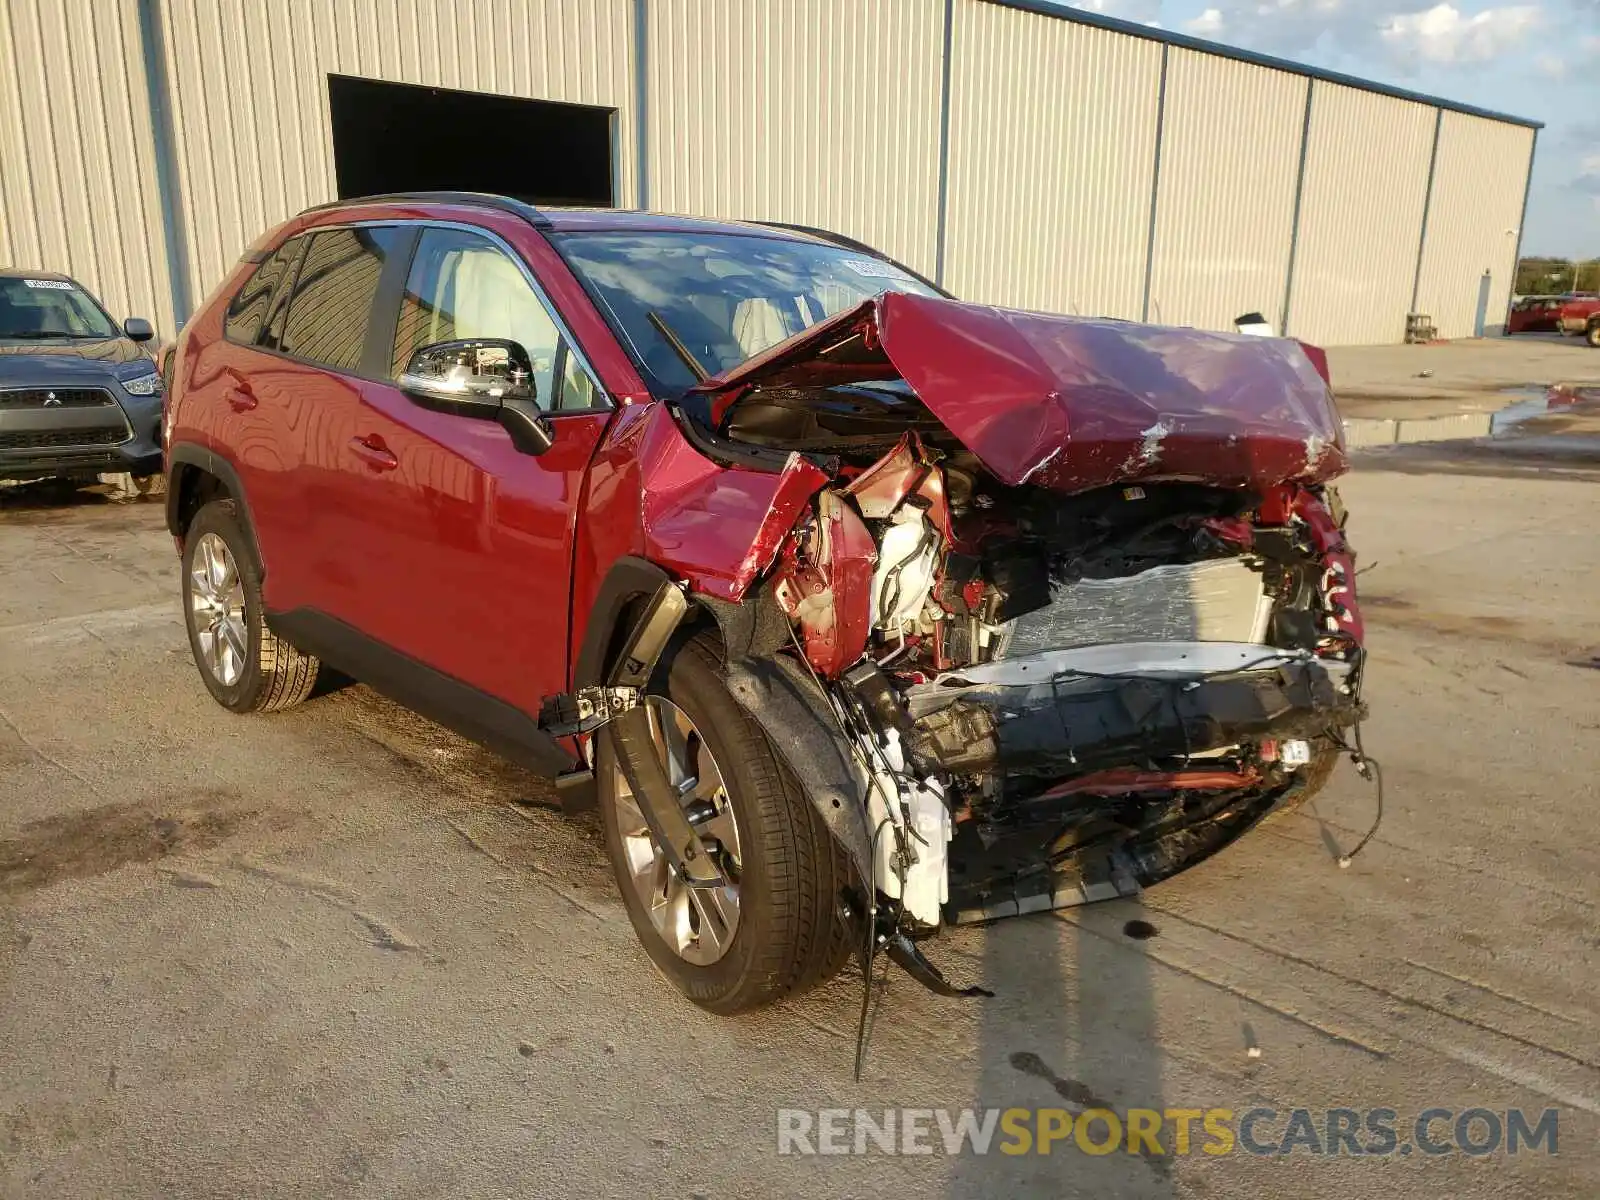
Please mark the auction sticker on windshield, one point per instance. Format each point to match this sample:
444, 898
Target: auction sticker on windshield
873, 269
55, 285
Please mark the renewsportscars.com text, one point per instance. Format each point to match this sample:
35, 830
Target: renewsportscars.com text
1364, 1133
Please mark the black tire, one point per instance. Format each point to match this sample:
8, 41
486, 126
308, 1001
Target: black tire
275, 675
1592, 335
790, 936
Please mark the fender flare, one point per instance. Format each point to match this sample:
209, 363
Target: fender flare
184, 457
629, 579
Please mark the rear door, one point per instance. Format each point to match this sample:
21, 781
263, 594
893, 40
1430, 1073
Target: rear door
226, 389
319, 342
462, 544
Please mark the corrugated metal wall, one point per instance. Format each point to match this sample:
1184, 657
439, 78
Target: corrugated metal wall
1230, 153
1473, 217
1052, 146
77, 158
1360, 216
821, 112
250, 91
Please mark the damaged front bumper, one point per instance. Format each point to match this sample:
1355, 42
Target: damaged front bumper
1222, 734
1074, 711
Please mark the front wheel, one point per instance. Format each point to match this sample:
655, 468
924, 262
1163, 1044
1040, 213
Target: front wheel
1593, 335
774, 929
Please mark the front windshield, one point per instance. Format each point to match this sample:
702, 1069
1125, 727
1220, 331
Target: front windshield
50, 308
727, 297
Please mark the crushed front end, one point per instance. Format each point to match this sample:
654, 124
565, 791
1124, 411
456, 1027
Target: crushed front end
1063, 698
1076, 634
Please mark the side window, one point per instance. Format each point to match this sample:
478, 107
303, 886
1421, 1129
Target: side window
271, 337
332, 305
247, 314
464, 286
578, 391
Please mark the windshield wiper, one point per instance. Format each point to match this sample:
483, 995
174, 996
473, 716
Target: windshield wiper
38, 335
689, 360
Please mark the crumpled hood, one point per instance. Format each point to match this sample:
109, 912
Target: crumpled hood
1074, 403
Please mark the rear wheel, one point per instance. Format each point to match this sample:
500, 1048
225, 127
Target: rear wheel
246, 668
774, 929
1592, 336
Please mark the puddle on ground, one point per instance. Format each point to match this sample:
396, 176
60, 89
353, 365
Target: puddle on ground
1529, 402
1522, 404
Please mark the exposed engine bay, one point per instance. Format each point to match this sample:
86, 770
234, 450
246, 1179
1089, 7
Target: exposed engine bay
1063, 697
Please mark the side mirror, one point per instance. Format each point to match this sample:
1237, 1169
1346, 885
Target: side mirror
488, 378
138, 329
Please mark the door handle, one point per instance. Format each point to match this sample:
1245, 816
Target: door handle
372, 451
241, 399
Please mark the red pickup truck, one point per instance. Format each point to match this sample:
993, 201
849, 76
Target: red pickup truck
1581, 315
1535, 314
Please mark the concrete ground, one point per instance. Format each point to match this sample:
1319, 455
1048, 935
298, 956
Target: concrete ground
341, 952
1451, 377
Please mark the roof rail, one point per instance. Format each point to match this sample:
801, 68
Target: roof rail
505, 204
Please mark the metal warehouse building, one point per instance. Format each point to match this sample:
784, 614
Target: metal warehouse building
1020, 153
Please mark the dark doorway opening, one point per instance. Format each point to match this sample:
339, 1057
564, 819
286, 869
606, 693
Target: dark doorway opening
397, 137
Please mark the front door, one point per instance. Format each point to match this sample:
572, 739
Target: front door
463, 544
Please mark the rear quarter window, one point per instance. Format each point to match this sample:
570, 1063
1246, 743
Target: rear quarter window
333, 297
247, 312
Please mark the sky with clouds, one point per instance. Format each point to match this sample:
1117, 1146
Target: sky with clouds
1538, 59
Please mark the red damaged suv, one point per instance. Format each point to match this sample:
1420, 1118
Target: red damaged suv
858, 610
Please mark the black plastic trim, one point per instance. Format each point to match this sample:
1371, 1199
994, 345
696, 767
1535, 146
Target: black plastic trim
377, 356
427, 691
505, 204
726, 452
629, 579
187, 454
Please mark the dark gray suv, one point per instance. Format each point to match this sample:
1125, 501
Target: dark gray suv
78, 394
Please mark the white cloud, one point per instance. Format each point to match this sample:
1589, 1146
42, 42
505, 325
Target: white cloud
1582, 66
1588, 177
1444, 34
1145, 12
1407, 34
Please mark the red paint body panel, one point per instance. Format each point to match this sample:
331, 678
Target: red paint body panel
1575, 313
1535, 314
1338, 582
905, 471
825, 584
717, 526
463, 546
1072, 403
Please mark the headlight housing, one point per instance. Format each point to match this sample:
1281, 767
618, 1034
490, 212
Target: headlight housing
144, 385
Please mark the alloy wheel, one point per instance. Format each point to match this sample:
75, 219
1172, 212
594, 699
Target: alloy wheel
216, 608
697, 924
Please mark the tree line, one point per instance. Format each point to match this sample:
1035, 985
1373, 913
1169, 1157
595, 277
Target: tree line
1553, 276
